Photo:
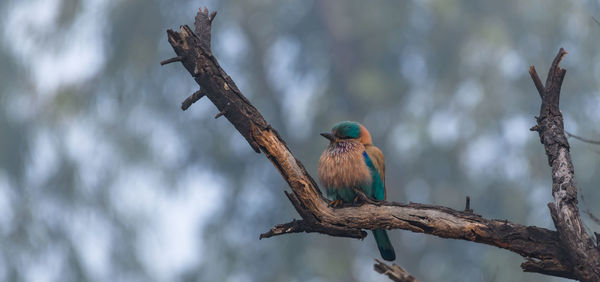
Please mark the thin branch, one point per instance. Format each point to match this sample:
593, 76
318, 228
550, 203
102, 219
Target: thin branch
582, 139
220, 114
468, 205
192, 99
299, 226
536, 81
394, 272
530, 242
171, 60
592, 216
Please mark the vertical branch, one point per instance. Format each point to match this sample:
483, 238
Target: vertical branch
580, 248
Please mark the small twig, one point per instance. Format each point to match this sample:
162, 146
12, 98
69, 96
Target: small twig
295, 226
394, 272
171, 60
192, 99
536, 80
468, 205
592, 216
582, 139
220, 114
299, 226
212, 16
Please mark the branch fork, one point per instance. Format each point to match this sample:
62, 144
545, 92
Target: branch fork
549, 252
582, 253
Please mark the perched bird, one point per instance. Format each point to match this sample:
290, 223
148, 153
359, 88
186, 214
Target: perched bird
352, 161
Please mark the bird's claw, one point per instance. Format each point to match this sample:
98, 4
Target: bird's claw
335, 203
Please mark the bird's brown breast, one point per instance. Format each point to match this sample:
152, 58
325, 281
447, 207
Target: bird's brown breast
342, 165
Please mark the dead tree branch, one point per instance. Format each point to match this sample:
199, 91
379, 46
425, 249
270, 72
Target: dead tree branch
582, 139
192, 99
394, 272
543, 249
581, 250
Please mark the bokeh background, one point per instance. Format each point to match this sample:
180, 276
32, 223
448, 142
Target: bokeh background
104, 178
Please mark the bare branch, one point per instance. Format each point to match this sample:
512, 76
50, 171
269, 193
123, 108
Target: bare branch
171, 60
192, 99
580, 248
582, 139
536, 81
220, 114
541, 247
592, 216
394, 272
468, 205
299, 226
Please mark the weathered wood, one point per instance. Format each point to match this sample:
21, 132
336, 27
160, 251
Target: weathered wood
171, 60
394, 272
540, 247
192, 99
583, 254
468, 205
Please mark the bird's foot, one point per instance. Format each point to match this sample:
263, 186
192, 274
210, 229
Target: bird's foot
335, 203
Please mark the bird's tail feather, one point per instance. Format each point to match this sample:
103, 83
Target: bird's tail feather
384, 245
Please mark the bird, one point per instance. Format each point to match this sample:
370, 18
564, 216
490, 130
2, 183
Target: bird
349, 162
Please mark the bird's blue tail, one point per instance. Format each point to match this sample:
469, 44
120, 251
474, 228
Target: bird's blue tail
384, 245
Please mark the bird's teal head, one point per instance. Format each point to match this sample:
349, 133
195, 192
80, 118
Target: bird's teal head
348, 130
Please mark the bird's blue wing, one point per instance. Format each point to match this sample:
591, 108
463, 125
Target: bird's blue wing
377, 187
375, 161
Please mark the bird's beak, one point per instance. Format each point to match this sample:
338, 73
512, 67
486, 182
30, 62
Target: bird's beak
328, 136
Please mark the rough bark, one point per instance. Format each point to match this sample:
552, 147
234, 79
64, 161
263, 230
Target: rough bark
543, 249
394, 272
583, 254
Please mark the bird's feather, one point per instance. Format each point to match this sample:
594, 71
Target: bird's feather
375, 188
342, 168
376, 163
379, 163
384, 245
